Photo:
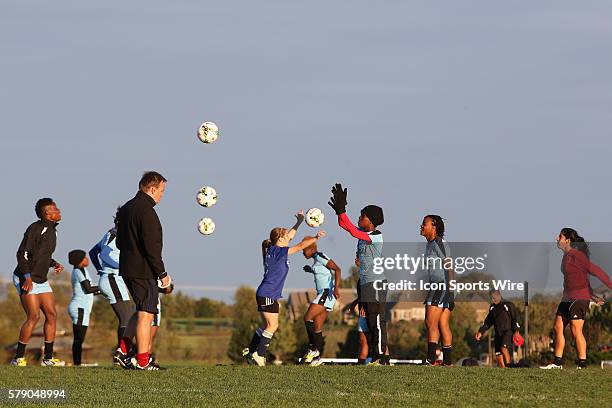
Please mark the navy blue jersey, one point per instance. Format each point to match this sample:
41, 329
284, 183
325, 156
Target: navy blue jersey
276, 268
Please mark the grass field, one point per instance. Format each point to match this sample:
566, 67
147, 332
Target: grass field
332, 386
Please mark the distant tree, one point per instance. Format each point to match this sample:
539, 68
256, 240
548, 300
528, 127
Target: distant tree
351, 280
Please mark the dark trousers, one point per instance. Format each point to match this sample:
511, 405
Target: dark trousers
375, 306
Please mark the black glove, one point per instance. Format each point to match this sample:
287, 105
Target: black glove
308, 269
338, 199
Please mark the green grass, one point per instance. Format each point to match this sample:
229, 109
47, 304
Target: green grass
332, 386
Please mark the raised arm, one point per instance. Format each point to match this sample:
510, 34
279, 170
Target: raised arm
299, 219
347, 225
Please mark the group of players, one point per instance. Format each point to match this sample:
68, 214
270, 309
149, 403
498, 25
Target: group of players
439, 304
133, 241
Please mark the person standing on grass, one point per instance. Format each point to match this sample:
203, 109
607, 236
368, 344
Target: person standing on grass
369, 247
105, 258
503, 316
34, 258
577, 294
327, 276
140, 242
440, 302
81, 302
275, 252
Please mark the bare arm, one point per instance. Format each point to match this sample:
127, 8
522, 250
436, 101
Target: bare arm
305, 243
333, 267
299, 219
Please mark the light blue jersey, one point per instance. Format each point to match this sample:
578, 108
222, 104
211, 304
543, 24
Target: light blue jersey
367, 251
434, 260
109, 254
81, 303
105, 256
323, 277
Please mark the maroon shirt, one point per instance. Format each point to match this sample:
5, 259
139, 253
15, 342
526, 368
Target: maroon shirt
576, 268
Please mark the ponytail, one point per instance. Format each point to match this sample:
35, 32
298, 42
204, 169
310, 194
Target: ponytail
576, 241
266, 243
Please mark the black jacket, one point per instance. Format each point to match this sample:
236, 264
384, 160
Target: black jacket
503, 317
35, 251
139, 239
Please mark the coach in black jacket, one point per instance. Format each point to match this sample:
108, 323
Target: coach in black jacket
139, 240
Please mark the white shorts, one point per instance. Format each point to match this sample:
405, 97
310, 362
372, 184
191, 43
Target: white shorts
325, 298
37, 288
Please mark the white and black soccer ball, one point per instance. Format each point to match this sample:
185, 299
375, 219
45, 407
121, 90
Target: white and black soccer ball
206, 226
314, 217
207, 196
208, 132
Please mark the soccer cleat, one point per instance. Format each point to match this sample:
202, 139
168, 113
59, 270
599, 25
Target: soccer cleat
258, 360
52, 362
153, 362
148, 367
245, 352
19, 362
316, 362
124, 360
374, 363
551, 366
116, 357
311, 355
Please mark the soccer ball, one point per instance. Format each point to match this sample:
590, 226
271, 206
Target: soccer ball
208, 132
207, 196
206, 226
314, 217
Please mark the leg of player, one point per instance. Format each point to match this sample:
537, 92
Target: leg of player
581, 346
47, 305
271, 325
432, 319
79, 332
506, 357
447, 336
559, 339
313, 320
319, 321
31, 306
143, 337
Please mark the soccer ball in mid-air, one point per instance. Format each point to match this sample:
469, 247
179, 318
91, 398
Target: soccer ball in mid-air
207, 196
314, 217
208, 132
206, 226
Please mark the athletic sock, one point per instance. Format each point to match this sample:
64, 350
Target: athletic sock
310, 330
318, 341
255, 340
361, 361
120, 333
431, 351
385, 359
48, 350
447, 355
558, 360
21, 347
143, 359
125, 344
264, 342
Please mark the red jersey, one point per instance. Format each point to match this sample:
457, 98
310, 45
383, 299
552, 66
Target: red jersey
576, 268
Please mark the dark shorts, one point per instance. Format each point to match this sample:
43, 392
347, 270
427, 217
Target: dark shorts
576, 310
267, 305
144, 292
502, 340
440, 298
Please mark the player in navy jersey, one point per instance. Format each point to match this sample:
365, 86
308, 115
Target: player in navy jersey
439, 303
369, 247
327, 276
275, 252
81, 302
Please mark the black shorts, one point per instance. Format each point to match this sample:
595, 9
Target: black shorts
144, 292
573, 310
267, 305
502, 340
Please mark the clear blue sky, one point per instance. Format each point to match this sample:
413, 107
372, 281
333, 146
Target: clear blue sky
496, 115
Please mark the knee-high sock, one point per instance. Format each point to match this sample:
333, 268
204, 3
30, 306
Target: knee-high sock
255, 340
79, 333
310, 330
264, 343
318, 341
